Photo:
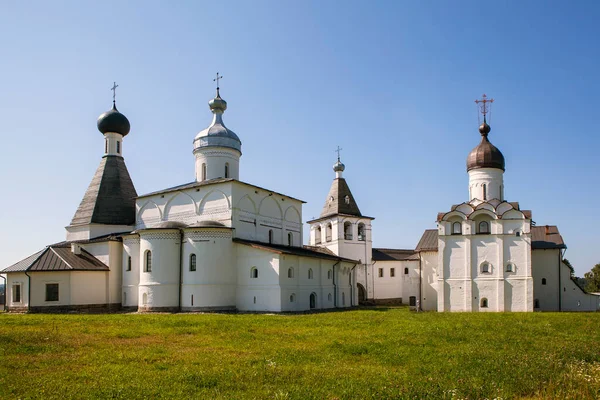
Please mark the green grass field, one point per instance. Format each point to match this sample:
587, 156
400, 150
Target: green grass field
365, 353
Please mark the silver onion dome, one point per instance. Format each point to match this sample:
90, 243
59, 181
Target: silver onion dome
217, 134
339, 166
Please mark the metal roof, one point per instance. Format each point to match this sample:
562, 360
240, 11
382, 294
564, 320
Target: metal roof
393, 255
429, 241
546, 237
58, 259
304, 251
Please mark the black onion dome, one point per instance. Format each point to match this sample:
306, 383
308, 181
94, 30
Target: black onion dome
113, 121
485, 155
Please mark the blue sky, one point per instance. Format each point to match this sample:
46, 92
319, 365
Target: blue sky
392, 83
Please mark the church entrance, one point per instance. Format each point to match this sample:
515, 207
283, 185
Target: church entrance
313, 301
362, 294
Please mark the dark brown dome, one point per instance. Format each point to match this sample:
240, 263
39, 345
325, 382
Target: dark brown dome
485, 155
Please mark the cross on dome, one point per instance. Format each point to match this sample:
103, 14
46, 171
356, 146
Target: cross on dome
114, 90
338, 150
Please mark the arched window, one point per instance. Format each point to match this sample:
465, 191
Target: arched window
290, 272
254, 299
148, 261
292, 297
270, 236
536, 303
484, 227
456, 228
118, 147
203, 171
318, 235
226, 170
347, 199
145, 299
310, 273
484, 192
485, 268
106, 145
329, 274
329, 297
343, 298
328, 233
543, 281
361, 232
290, 239
129, 263
406, 271
313, 300
192, 262
484, 303
510, 267
254, 273
347, 230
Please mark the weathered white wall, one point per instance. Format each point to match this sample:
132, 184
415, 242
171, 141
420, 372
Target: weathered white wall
38, 288
85, 232
389, 287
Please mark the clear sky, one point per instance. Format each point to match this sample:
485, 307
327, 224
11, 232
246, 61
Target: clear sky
391, 82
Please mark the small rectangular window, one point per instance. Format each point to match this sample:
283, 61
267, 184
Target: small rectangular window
118, 147
381, 272
128, 263
392, 272
16, 293
51, 291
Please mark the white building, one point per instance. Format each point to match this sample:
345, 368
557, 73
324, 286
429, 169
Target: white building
218, 243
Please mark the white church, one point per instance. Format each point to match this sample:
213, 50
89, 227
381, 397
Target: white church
221, 244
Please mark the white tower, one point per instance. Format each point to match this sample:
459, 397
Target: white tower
217, 148
342, 229
485, 164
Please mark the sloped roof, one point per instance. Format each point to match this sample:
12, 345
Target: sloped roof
429, 241
335, 203
304, 251
110, 197
546, 237
215, 181
58, 259
393, 255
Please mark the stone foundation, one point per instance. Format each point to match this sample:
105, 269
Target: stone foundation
80, 308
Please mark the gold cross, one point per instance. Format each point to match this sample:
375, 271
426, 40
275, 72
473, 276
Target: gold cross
483, 106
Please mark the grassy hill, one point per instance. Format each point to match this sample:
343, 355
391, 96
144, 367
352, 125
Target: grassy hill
367, 353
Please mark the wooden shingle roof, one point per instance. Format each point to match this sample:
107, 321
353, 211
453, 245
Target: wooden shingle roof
110, 197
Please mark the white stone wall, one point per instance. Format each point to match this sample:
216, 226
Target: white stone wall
492, 178
335, 239
204, 203
215, 159
430, 281
262, 293
160, 287
212, 286
257, 211
131, 279
90, 231
17, 278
